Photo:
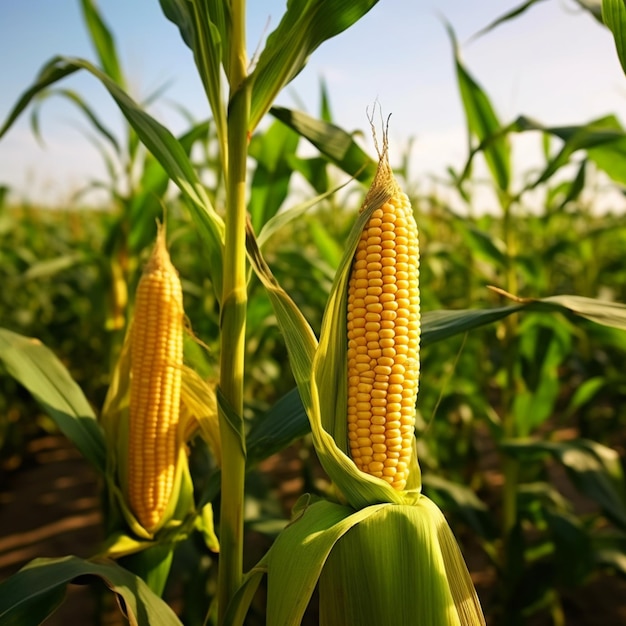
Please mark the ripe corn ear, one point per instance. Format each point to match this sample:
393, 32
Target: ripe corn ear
155, 387
383, 329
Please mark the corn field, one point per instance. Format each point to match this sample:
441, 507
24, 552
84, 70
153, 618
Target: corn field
234, 367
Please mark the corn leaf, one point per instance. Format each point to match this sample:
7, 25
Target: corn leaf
592, 467
50, 267
163, 145
593, 7
461, 501
614, 16
272, 151
305, 25
572, 547
203, 27
29, 596
483, 123
603, 139
80, 103
509, 15
283, 424
103, 41
609, 551
37, 368
413, 545
333, 142
298, 335
295, 560
438, 325
152, 565
281, 219
242, 598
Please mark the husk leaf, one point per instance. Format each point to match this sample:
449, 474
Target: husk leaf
399, 565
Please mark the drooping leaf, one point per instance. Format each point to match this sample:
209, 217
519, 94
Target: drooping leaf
438, 325
333, 142
38, 369
462, 502
79, 101
603, 139
160, 141
32, 594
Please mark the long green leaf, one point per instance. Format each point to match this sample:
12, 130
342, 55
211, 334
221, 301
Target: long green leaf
299, 337
103, 41
305, 25
483, 123
283, 424
333, 142
37, 368
160, 141
29, 596
614, 16
438, 325
281, 219
509, 15
604, 139
287, 420
89, 113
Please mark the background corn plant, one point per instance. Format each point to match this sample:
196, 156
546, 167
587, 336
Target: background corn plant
545, 401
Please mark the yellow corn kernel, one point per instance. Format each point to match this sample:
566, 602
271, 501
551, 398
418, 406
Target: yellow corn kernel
155, 386
383, 362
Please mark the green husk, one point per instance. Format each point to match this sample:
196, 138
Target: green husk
400, 565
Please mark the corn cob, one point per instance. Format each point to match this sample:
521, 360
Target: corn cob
156, 368
383, 328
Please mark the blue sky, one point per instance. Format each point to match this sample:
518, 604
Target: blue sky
554, 63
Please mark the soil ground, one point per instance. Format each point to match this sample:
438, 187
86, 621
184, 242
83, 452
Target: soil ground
49, 507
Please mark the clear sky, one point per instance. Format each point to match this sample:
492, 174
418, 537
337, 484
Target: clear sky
554, 64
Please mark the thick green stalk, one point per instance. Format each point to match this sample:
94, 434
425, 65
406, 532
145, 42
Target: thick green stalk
233, 322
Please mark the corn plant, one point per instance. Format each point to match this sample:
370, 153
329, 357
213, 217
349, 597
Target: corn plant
532, 352
356, 380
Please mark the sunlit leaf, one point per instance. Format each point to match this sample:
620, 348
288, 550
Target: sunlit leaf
103, 41
38, 369
333, 142
305, 25
603, 139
